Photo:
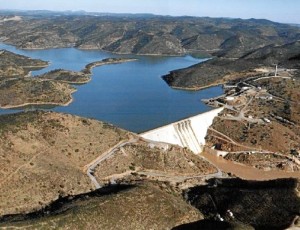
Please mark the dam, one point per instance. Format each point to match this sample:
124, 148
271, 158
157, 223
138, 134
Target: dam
189, 132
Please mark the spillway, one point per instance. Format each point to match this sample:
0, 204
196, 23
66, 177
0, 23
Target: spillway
189, 132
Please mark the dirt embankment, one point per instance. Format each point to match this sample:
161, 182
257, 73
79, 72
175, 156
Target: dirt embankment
145, 161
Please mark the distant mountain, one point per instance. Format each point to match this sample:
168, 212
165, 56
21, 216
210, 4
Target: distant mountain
143, 33
70, 13
236, 44
293, 24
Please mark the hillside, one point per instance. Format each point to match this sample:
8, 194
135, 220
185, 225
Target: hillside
142, 34
219, 70
142, 206
47, 155
68, 172
18, 88
258, 205
14, 65
30, 91
237, 45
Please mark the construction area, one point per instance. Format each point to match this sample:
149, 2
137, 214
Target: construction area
259, 125
256, 122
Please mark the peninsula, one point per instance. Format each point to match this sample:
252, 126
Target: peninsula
13, 65
83, 76
16, 93
19, 89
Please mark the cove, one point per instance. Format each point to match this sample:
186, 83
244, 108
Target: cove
130, 95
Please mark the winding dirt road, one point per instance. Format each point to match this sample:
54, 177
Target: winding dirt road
89, 169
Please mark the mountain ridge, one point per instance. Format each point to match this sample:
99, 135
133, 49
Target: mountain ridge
144, 34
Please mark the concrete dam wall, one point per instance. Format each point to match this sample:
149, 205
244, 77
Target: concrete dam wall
188, 133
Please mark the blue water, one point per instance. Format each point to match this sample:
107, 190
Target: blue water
130, 95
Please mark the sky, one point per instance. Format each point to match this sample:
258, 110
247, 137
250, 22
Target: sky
286, 11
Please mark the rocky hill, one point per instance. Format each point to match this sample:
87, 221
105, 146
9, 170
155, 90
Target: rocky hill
236, 45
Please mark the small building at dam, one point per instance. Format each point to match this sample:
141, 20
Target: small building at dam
188, 132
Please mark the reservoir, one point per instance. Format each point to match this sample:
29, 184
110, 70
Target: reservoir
130, 95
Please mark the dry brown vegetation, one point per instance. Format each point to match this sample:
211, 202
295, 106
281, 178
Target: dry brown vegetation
18, 88
67, 76
147, 206
141, 159
31, 91
14, 65
43, 154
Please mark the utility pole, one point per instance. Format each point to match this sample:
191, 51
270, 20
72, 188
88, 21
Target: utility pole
276, 68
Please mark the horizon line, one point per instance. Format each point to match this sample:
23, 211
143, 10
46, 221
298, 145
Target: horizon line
90, 13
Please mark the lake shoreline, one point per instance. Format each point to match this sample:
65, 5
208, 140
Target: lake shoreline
124, 95
38, 104
197, 88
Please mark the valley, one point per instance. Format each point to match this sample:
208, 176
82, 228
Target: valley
61, 170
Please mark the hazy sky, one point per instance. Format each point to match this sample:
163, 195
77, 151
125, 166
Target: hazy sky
276, 10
